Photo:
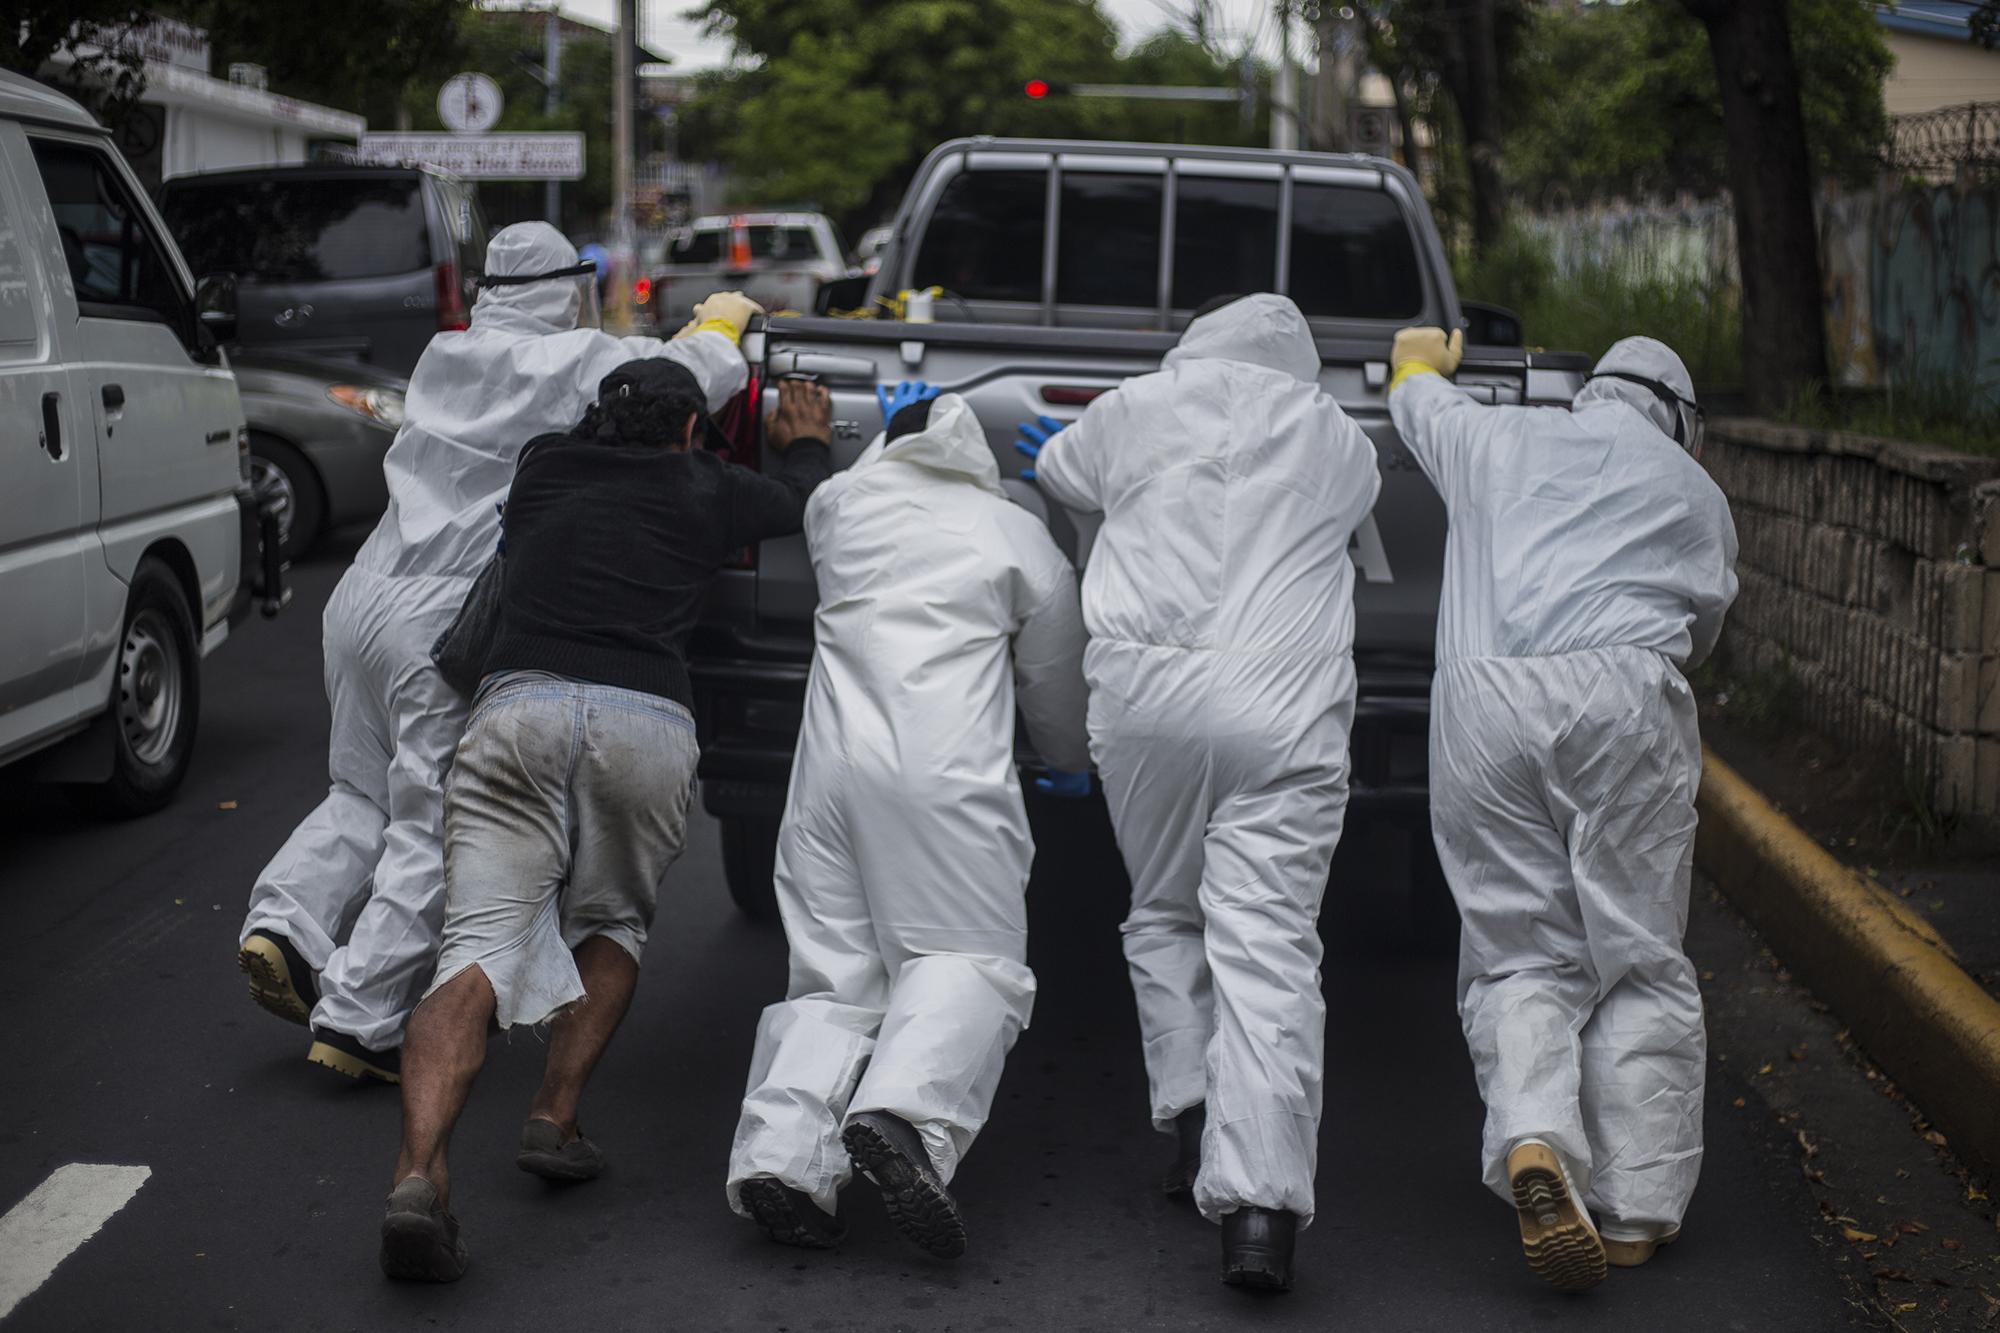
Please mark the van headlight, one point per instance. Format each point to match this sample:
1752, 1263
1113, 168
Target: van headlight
384, 407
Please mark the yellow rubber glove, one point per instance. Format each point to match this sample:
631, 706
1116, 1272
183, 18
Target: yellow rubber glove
726, 313
1425, 352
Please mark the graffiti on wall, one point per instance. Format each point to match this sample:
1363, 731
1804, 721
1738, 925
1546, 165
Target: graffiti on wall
1912, 272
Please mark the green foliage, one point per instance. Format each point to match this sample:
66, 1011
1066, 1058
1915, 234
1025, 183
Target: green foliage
1621, 100
360, 57
848, 96
1589, 309
1945, 410
107, 81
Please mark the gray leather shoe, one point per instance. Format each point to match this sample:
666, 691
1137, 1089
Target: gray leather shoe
544, 1153
419, 1238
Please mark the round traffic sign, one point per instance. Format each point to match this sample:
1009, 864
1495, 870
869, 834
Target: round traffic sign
469, 103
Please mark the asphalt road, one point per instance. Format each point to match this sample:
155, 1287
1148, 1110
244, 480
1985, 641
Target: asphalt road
130, 1039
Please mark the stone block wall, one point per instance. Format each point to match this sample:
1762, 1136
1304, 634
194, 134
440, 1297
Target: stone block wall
1870, 571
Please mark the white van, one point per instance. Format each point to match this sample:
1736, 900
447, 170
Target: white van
123, 518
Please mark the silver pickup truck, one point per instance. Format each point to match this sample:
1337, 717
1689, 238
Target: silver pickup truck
1065, 268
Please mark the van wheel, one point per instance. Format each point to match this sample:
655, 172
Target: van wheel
155, 698
278, 470
749, 862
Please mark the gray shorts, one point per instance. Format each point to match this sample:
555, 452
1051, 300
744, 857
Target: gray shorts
565, 805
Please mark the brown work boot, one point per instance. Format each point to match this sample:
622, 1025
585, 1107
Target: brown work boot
1562, 1245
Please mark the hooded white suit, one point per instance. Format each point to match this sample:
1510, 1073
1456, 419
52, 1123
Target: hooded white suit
1220, 601
371, 853
1590, 558
904, 853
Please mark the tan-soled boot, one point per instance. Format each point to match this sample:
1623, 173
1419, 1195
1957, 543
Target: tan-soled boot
1622, 1250
1557, 1236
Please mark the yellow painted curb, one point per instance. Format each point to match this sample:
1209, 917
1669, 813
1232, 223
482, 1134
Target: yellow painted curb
1892, 979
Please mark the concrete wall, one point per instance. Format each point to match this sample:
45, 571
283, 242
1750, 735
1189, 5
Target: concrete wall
1870, 571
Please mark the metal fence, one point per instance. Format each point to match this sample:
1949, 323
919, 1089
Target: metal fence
1939, 145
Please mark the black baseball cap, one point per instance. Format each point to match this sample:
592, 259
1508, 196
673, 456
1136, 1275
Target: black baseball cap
663, 377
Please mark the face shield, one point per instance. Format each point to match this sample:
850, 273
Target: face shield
576, 283
1690, 423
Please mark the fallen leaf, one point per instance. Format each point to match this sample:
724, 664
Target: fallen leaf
226, 805
1797, 1054
1912, 1228
1764, 1070
180, 902
1811, 1148
1857, 1235
1739, 1103
1934, 1138
1906, 1307
1892, 1275
1953, 1245
1971, 1195
1708, 976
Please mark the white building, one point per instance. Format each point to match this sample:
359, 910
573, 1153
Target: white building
188, 120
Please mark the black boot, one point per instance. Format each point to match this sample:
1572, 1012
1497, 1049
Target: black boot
1178, 1183
890, 1153
789, 1216
1257, 1248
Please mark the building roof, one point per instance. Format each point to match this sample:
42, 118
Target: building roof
21, 98
1949, 19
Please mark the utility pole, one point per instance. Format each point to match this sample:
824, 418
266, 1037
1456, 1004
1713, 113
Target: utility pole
552, 66
621, 161
1284, 86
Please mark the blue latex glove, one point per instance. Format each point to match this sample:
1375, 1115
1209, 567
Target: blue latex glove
1068, 786
1035, 434
896, 399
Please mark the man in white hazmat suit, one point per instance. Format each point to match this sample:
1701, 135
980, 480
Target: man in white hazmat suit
1590, 560
1220, 601
903, 857
371, 853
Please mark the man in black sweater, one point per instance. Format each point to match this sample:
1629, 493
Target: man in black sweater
568, 797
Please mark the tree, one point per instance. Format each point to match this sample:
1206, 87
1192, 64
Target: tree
846, 96
104, 72
360, 59
1621, 100
1770, 182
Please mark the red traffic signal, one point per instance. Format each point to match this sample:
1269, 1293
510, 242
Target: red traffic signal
1036, 89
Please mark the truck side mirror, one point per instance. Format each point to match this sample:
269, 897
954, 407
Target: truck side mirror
1490, 325
215, 305
840, 294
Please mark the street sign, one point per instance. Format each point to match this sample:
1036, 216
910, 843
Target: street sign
1368, 129
553, 155
469, 103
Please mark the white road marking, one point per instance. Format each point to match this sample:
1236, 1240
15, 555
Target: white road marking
49, 1225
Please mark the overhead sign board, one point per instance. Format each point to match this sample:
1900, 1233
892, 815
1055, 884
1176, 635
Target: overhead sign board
551, 155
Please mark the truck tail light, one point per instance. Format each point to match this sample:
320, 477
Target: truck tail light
450, 299
740, 420
1070, 395
739, 248
642, 291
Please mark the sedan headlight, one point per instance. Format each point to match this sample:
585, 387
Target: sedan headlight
384, 407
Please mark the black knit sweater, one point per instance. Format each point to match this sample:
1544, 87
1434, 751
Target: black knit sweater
611, 548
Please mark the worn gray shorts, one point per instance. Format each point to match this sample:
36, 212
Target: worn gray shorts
566, 803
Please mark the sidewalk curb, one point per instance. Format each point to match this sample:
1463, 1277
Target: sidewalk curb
1884, 971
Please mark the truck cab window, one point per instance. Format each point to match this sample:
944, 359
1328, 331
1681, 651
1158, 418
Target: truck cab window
17, 308
1351, 255
984, 239
116, 263
1109, 252
1225, 238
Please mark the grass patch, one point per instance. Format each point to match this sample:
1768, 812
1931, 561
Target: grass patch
1595, 305
1764, 703
1934, 409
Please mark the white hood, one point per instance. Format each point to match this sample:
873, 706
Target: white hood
534, 307
1263, 330
953, 443
1652, 359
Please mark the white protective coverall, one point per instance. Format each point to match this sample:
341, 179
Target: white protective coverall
1220, 601
1589, 559
522, 369
903, 857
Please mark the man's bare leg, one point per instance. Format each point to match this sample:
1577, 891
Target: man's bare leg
442, 1053
577, 1039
